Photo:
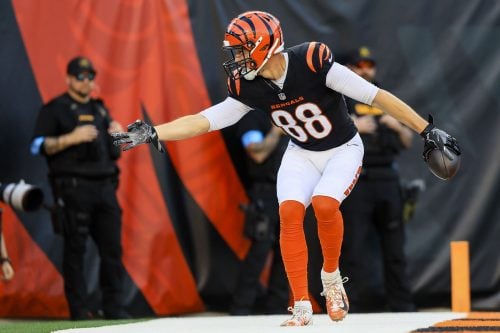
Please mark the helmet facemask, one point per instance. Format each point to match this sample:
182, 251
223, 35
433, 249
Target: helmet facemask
240, 63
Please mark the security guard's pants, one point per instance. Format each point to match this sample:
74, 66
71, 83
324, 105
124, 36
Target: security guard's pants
91, 209
374, 211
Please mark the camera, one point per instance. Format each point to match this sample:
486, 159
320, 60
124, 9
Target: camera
411, 191
21, 196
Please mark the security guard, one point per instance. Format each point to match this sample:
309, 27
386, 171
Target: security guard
264, 145
374, 208
72, 131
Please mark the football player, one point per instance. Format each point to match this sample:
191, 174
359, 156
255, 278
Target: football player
302, 90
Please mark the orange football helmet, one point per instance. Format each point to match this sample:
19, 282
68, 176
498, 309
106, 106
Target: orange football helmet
252, 38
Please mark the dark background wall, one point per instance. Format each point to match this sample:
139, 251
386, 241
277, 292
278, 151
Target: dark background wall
442, 57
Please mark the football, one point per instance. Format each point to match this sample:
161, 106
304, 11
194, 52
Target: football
443, 164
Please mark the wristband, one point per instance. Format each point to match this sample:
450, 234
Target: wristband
427, 129
4, 260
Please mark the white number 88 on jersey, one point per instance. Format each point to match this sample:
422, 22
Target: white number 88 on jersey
308, 121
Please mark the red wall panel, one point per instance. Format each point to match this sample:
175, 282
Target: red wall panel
144, 54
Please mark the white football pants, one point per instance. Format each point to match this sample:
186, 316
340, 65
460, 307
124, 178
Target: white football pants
333, 173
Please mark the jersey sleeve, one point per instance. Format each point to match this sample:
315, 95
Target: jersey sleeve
318, 57
225, 113
350, 84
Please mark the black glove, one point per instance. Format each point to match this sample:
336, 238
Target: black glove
138, 133
436, 138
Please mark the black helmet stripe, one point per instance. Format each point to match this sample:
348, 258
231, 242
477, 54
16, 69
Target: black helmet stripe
250, 23
238, 36
269, 30
242, 34
235, 36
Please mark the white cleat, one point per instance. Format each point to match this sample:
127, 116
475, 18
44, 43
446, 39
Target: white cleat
337, 304
301, 316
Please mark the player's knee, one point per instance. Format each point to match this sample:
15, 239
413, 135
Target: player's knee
291, 214
325, 208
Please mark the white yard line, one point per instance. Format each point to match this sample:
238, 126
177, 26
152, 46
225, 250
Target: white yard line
354, 323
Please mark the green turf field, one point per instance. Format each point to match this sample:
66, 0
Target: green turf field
47, 326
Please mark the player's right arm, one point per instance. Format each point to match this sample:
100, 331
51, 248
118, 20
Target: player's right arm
218, 116
183, 128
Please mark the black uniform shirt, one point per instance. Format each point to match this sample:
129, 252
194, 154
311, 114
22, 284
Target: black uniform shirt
93, 159
381, 147
265, 172
313, 115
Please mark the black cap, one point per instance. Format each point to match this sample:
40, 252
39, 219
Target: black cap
363, 53
79, 65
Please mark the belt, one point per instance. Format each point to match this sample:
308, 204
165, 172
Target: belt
75, 180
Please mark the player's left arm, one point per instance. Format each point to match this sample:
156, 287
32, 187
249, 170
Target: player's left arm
433, 136
346, 82
398, 109
343, 80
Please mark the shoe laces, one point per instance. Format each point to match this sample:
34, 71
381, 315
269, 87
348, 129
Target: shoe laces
333, 291
299, 313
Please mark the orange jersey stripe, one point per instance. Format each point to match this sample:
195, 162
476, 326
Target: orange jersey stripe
321, 52
328, 53
309, 56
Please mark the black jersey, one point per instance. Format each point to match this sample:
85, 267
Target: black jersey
313, 115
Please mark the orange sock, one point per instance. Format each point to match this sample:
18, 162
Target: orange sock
294, 248
330, 230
